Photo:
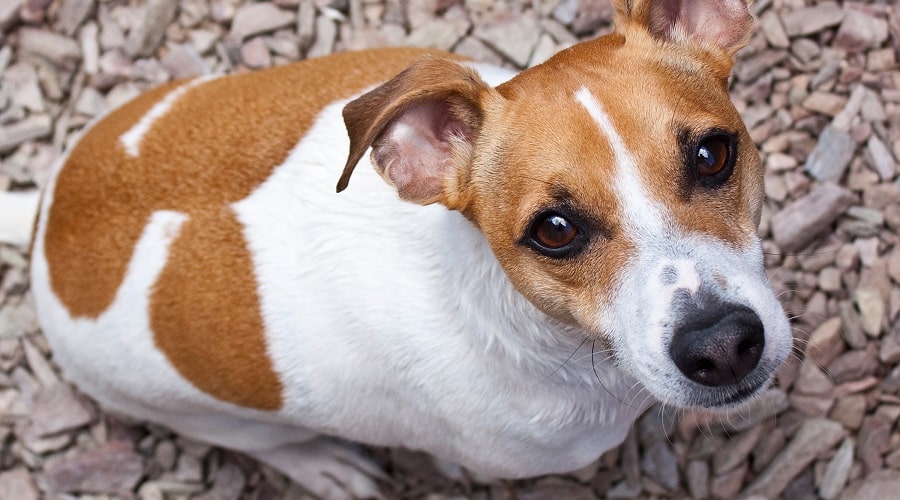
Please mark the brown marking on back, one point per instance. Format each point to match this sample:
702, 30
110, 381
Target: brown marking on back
90, 231
214, 146
193, 318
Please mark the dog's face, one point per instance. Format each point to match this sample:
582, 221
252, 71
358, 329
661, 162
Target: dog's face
625, 199
619, 190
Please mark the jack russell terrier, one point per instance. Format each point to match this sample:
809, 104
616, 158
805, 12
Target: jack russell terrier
521, 266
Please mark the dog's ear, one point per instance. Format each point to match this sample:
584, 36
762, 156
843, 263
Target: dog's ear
421, 126
723, 24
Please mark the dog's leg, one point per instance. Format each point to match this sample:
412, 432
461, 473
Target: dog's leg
327, 468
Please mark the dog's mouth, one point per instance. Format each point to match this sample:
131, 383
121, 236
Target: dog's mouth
730, 396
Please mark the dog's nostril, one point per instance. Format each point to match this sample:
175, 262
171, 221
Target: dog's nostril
703, 369
748, 347
722, 353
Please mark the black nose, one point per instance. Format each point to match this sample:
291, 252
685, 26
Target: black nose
717, 352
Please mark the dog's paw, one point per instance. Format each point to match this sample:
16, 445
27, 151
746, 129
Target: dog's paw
326, 468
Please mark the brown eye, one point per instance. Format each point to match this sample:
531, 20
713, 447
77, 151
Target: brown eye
553, 232
712, 156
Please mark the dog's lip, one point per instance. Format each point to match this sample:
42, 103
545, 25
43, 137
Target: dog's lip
732, 395
741, 394
727, 397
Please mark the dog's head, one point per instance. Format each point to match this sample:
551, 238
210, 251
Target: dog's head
616, 185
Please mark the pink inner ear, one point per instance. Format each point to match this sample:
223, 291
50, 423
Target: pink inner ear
415, 151
724, 23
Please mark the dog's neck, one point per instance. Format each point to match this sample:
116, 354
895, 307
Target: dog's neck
507, 330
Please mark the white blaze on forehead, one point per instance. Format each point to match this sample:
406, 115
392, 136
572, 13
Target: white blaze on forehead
131, 139
643, 214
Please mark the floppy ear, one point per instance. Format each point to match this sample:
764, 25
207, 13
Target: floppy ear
723, 24
421, 126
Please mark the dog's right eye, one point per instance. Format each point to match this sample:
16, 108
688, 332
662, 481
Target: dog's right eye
553, 235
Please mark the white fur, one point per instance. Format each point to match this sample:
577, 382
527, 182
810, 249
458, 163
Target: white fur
642, 316
19, 210
644, 215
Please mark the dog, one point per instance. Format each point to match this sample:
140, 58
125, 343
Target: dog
520, 266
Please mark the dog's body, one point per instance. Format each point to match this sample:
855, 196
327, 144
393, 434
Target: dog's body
381, 322
194, 267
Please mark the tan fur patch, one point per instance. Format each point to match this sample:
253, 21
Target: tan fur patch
91, 231
194, 320
213, 147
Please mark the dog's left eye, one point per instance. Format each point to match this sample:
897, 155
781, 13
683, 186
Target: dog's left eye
713, 160
553, 235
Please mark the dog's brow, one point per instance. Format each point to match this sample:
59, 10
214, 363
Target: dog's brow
561, 193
